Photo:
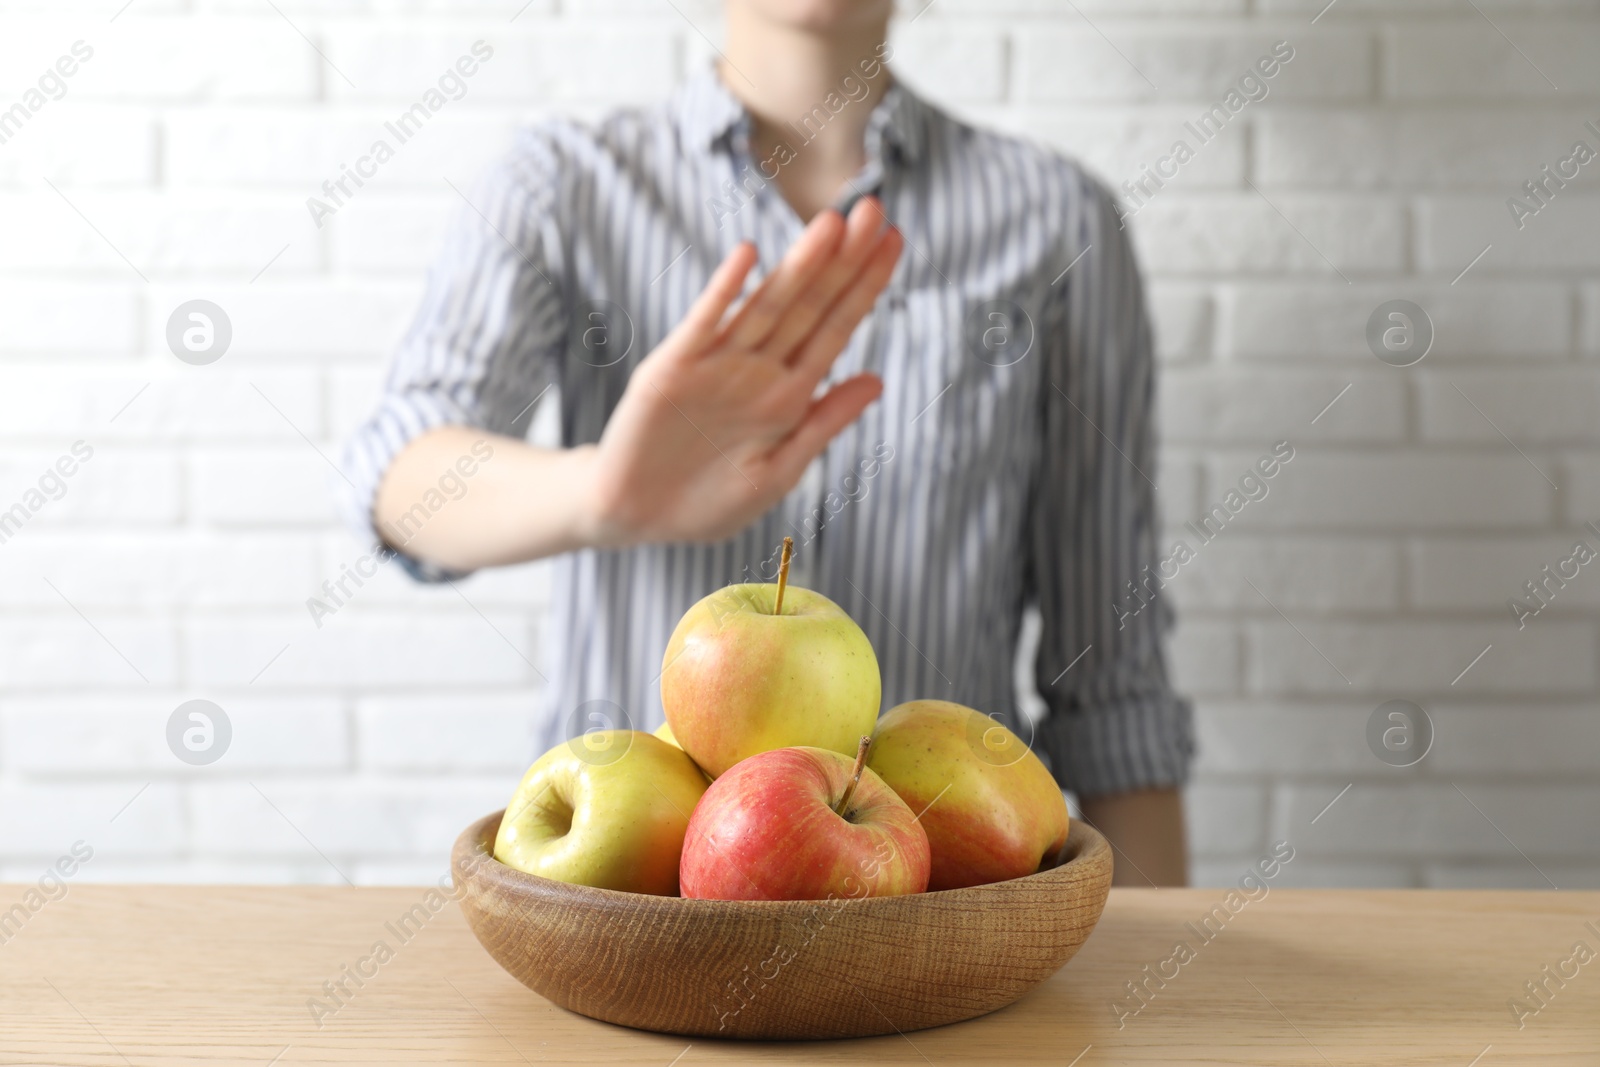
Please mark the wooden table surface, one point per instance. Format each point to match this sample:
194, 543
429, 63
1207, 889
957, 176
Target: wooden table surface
154, 975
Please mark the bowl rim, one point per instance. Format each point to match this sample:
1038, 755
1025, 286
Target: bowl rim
1084, 849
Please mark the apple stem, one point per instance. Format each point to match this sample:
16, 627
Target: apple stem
855, 777
783, 573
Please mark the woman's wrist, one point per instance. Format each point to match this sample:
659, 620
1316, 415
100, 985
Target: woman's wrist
599, 519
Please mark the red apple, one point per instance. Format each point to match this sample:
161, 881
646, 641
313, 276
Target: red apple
802, 824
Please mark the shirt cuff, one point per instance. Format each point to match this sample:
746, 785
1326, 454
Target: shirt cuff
1121, 746
400, 419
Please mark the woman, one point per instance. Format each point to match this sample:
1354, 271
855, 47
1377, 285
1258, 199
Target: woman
799, 300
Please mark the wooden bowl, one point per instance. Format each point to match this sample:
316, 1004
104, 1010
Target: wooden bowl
782, 969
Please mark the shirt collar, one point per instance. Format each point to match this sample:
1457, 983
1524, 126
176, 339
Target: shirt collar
707, 115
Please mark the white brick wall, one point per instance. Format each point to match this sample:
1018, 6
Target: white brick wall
177, 563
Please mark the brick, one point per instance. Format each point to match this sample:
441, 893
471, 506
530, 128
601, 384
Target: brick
301, 150
1395, 491
1178, 478
461, 649
1183, 233
961, 64
1564, 235
290, 485
1237, 405
1306, 574
1483, 574
1118, 145
77, 735
1470, 320
353, 394
440, 733
1199, 62
68, 318
1415, 7
127, 485
1245, 738
508, 9
1204, 657
326, 318
1547, 406
1103, 7
1399, 658
1523, 739
158, 233
1589, 330
44, 820
149, 570
80, 147
1511, 874
1434, 821
192, 60
170, 403
197, 871
1581, 478
1303, 873
1475, 60
519, 586
382, 234
611, 61
1349, 149
1184, 320
63, 650
1226, 818
338, 819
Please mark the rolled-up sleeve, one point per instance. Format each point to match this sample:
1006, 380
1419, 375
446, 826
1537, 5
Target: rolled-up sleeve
485, 342
1114, 723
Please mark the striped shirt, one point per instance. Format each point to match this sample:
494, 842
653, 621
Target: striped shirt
1007, 464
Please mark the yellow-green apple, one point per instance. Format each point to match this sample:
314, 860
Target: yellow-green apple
748, 670
608, 810
802, 824
990, 808
665, 733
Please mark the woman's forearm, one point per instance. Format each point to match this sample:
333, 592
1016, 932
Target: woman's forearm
464, 498
1147, 835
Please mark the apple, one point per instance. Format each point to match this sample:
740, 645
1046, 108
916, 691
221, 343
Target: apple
608, 809
664, 732
802, 824
748, 670
990, 808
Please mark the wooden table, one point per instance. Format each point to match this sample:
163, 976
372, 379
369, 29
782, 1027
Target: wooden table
197, 975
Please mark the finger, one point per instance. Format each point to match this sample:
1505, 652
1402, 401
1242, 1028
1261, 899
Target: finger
819, 350
826, 418
698, 327
865, 231
809, 254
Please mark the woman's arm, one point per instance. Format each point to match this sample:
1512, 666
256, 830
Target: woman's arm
715, 426
1117, 733
1146, 832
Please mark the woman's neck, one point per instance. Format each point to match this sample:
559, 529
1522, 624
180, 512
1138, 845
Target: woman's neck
810, 95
